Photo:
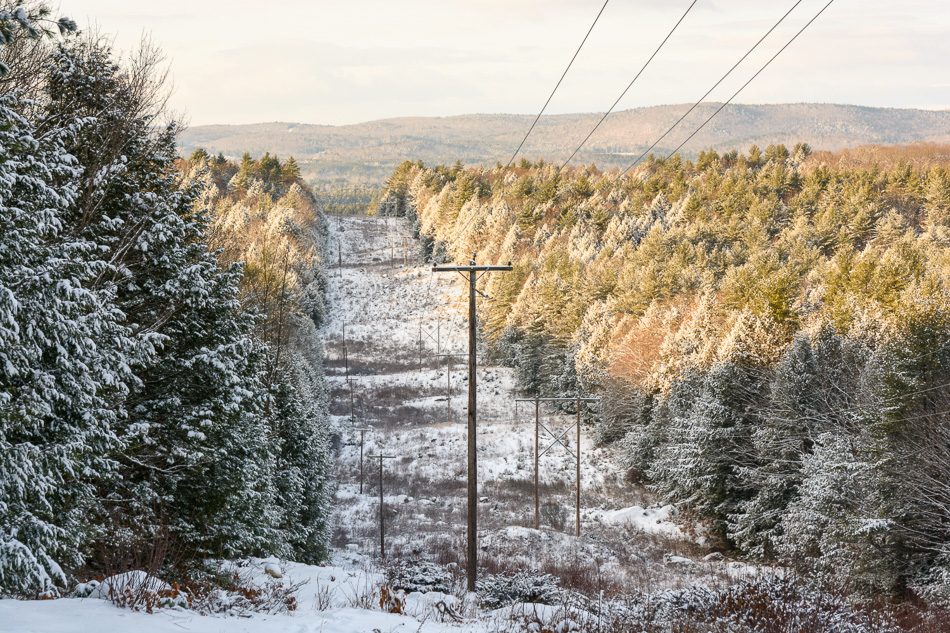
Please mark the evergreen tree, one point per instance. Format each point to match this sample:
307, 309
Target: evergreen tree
64, 357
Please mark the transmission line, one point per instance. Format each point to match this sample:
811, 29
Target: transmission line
564, 74
630, 85
701, 99
794, 37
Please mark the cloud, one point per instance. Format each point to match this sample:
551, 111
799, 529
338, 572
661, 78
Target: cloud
369, 59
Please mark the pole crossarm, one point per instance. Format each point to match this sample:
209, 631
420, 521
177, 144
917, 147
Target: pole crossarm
476, 268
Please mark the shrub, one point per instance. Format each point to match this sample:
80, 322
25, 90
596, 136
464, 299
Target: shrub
418, 575
501, 590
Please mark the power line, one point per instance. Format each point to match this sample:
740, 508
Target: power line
751, 78
715, 85
564, 74
630, 85
622, 94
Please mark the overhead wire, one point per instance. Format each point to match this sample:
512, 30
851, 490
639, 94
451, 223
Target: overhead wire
544, 107
782, 19
551, 96
606, 114
715, 85
794, 37
630, 85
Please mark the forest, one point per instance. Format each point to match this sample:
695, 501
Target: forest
161, 400
769, 330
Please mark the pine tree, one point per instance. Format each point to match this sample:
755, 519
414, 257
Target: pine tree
64, 356
195, 454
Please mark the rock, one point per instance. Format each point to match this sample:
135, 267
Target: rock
715, 557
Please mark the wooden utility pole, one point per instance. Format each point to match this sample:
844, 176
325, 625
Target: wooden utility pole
392, 249
557, 439
448, 385
362, 430
537, 440
472, 269
428, 334
346, 364
339, 252
382, 538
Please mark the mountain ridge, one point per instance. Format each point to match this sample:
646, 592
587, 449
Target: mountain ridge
369, 151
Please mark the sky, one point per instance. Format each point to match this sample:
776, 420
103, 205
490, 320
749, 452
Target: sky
338, 62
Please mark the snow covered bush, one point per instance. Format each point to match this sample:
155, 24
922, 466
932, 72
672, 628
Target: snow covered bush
500, 590
410, 575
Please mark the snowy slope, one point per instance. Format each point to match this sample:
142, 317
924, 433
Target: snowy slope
628, 543
380, 301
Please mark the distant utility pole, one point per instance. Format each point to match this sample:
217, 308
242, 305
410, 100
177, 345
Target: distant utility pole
472, 269
339, 252
346, 363
428, 334
379, 207
448, 385
382, 539
362, 430
557, 439
392, 249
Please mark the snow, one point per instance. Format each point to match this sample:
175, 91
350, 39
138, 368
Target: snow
341, 583
651, 520
424, 489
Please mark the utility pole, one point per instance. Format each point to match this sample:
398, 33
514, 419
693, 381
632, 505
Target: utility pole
346, 364
448, 385
557, 439
392, 249
339, 251
382, 539
362, 430
428, 334
472, 269
537, 434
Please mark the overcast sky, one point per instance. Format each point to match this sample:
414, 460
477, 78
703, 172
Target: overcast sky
347, 61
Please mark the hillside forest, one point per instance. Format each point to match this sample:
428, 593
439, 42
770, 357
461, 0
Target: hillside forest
770, 332
161, 397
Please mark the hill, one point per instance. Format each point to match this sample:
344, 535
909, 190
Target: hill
368, 152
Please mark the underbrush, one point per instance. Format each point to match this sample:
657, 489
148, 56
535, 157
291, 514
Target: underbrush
764, 605
219, 589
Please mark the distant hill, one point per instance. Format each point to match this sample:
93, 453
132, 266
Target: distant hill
368, 152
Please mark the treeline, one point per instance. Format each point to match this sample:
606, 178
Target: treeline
337, 199
770, 332
147, 405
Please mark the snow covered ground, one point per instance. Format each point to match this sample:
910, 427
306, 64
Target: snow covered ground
401, 394
331, 599
415, 411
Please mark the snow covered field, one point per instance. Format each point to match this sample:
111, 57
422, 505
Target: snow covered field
628, 542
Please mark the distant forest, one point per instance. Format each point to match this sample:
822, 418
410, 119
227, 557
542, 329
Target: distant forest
770, 331
367, 153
